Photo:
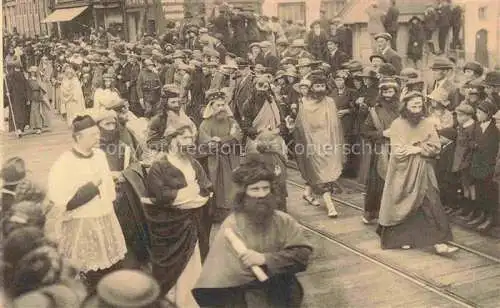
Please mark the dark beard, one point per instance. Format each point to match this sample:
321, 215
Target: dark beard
260, 210
415, 118
109, 136
317, 95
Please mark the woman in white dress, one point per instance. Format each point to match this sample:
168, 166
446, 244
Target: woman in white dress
107, 94
71, 94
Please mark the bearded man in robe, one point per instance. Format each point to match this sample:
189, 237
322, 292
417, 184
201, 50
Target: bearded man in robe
318, 143
220, 136
171, 111
375, 131
180, 190
274, 240
411, 214
261, 113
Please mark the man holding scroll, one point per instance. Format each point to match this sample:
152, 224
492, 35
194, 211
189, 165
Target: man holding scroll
260, 273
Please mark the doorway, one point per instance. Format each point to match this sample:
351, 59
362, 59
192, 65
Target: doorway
481, 54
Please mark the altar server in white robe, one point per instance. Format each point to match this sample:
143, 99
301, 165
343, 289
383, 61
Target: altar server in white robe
82, 220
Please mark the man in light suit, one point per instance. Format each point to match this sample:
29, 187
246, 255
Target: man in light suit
383, 41
442, 68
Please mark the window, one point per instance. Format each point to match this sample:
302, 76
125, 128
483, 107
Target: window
292, 11
482, 12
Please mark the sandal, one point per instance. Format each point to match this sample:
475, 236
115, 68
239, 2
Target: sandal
311, 200
444, 249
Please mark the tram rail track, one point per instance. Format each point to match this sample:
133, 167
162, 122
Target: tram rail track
418, 279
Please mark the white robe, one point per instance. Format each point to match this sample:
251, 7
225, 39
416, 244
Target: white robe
90, 236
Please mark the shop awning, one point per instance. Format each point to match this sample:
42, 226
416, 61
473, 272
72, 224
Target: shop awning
64, 14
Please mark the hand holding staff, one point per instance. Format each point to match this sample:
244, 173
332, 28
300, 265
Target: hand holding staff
240, 249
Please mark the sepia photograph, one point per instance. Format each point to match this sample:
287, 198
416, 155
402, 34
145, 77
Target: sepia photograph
250, 154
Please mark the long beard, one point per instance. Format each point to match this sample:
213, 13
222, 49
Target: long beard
415, 118
260, 210
109, 136
317, 94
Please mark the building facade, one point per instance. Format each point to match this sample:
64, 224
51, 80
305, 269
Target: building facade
25, 17
482, 31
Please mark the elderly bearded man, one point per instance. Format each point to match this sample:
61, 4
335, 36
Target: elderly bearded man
274, 240
411, 214
180, 190
319, 143
219, 138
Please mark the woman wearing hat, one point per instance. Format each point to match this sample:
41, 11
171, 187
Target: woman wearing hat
375, 130
343, 97
39, 117
105, 95
71, 94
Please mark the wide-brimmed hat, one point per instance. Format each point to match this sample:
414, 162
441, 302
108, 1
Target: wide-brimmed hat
260, 68
290, 73
474, 66
465, 108
413, 18
177, 54
256, 44
303, 62
212, 94
127, 289
108, 76
411, 95
298, 43
302, 83
388, 82
13, 171
408, 73
369, 72
282, 41
384, 35
387, 69
488, 107
492, 79
170, 90
442, 63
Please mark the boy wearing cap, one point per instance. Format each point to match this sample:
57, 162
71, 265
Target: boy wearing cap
482, 168
335, 56
468, 131
148, 88
384, 48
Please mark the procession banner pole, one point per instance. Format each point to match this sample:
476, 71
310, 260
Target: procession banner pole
6, 89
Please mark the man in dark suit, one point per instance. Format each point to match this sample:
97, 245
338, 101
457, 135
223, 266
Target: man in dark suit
270, 60
336, 57
482, 168
391, 23
442, 68
443, 23
383, 40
